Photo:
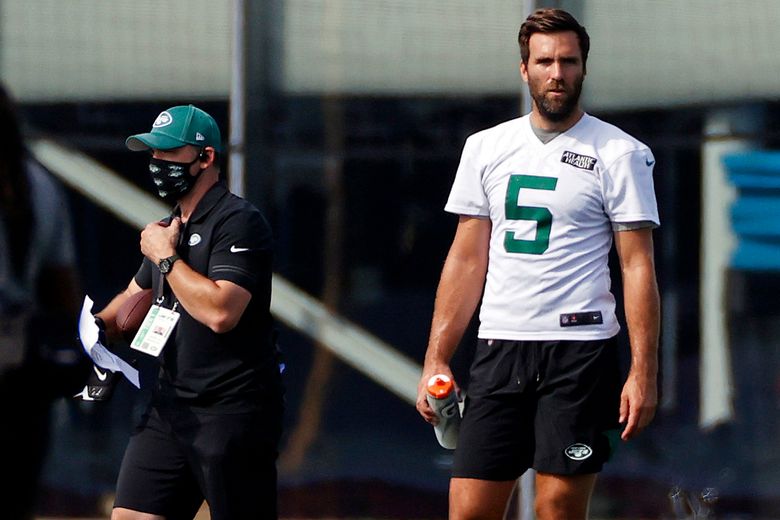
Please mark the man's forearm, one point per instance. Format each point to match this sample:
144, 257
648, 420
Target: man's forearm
642, 306
459, 292
460, 289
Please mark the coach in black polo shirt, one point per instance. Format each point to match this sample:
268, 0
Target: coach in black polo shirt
212, 428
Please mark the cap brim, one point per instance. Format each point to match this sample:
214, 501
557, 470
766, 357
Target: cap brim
148, 141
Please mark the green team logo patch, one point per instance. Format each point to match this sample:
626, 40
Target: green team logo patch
578, 451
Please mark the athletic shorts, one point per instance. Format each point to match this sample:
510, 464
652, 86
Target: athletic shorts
177, 458
549, 405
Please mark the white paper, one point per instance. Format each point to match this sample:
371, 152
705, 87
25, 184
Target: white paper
89, 335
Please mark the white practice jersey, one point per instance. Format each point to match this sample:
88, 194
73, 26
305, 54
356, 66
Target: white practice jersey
552, 207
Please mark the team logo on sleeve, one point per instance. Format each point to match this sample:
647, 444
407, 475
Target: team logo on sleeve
583, 162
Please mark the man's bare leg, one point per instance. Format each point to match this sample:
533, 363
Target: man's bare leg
563, 496
120, 513
474, 499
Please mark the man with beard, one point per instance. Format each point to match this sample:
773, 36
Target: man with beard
540, 200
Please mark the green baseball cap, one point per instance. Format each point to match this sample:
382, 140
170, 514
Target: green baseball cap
178, 126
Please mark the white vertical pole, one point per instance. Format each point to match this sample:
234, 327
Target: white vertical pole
237, 102
529, 6
722, 134
527, 495
527, 483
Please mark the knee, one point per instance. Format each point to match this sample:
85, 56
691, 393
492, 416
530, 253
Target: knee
478, 499
474, 513
557, 506
562, 496
464, 509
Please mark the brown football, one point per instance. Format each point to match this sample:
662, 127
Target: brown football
132, 313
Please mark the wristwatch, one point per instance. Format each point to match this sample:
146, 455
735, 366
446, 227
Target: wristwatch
166, 264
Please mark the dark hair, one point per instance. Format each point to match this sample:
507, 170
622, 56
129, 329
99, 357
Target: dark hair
552, 21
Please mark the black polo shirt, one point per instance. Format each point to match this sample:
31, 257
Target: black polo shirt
226, 238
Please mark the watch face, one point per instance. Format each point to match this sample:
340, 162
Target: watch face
166, 264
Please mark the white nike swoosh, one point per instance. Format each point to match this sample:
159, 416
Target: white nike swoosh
101, 375
234, 249
84, 395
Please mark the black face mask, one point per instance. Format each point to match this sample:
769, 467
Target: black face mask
172, 179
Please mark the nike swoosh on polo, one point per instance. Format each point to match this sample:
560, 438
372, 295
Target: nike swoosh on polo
234, 249
101, 375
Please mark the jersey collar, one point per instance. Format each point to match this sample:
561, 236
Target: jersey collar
560, 138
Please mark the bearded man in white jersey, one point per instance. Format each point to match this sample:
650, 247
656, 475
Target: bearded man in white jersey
541, 199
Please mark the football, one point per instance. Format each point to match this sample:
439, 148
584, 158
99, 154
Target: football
132, 313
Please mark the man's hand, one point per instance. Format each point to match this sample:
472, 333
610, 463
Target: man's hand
159, 241
102, 337
100, 382
422, 390
638, 402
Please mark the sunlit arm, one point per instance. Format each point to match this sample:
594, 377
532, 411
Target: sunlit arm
216, 304
642, 307
460, 288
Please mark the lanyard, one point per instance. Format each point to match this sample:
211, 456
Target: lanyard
160, 296
160, 293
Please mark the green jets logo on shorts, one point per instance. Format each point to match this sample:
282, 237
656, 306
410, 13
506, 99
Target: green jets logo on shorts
578, 451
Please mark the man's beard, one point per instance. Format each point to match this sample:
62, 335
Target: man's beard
557, 110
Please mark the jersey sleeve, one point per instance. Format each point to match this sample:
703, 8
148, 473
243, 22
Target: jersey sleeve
144, 275
627, 188
242, 250
467, 196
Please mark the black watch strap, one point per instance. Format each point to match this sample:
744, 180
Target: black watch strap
166, 264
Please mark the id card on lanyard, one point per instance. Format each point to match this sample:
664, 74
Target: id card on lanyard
158, 325
155, 329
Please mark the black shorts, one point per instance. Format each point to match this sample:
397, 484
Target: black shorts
549, 405
177, 458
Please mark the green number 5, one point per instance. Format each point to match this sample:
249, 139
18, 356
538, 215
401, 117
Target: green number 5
541, 216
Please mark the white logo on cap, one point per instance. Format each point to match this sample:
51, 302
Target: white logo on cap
164, 119
199, 137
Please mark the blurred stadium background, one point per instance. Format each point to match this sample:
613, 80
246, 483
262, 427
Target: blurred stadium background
346, 121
